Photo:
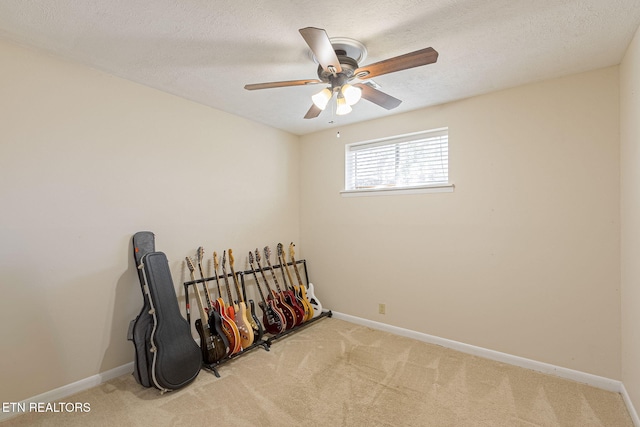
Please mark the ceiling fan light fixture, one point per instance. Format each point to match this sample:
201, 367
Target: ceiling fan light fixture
321, 99
343, 107
351, 94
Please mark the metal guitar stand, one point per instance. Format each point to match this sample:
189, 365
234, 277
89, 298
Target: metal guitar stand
260, 342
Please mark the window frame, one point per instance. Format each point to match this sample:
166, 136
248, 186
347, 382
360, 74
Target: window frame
413, 189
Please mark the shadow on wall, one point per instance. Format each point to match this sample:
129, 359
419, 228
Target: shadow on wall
127, 302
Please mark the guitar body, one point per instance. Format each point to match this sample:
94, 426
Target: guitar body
272, 318
229, 328
258, 330
244, 327
215, 326
307, 293
314, 301
212, 346
289, 314
302, 293
298, 311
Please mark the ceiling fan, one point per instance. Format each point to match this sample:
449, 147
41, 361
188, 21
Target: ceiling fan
338, 65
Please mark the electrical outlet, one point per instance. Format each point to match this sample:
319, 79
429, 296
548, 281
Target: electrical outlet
381, 308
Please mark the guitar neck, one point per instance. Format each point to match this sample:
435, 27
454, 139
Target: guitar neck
204, 284
215, 273
203, 314
284, 278
286, 268
264, 277
267, 253
273, 275
235, 278
282, 259
295, 268
255, 277
226, 279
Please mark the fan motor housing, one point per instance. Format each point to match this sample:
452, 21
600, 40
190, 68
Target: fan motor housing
349, 66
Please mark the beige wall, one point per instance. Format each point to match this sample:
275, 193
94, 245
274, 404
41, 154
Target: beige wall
86, 160
630, 217
522, 258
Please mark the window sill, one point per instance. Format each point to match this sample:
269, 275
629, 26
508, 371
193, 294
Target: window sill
435, 188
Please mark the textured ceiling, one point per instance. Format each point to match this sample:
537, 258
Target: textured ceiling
206, 51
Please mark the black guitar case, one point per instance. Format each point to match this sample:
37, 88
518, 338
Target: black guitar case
167, 356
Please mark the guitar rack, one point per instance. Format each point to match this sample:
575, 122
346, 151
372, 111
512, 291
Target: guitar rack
264, 343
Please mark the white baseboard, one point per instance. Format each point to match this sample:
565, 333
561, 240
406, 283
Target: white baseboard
69, 389
546, 368
630, 407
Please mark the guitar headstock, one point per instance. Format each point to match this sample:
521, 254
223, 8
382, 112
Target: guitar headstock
190, 264
267, 253
280, 251
215, 262
292, 253
251, 259
224, 258
200, 254
231, 259
258, 256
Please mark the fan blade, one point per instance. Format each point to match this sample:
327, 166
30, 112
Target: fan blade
313, 112
320, 45
378, 97
403, 62
281, 84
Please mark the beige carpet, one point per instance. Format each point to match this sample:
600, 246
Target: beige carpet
335, 373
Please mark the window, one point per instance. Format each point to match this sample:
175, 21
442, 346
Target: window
417, 161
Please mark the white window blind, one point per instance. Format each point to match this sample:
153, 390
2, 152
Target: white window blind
405, 161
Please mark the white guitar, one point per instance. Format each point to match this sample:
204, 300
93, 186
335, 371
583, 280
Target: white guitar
307, 292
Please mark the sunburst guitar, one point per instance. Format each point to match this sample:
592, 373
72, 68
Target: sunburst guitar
239, 311
228, 324
250, 313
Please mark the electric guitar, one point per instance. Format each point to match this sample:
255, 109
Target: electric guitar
215, 321
250, 313
310, 295
285, 309
301, 296
228, 325
272, 317
213, 348
292, 298
238, 311
286, 298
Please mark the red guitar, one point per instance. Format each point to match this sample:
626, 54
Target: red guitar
272, 318
285, 297
289, 315
290, 296
297, 290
